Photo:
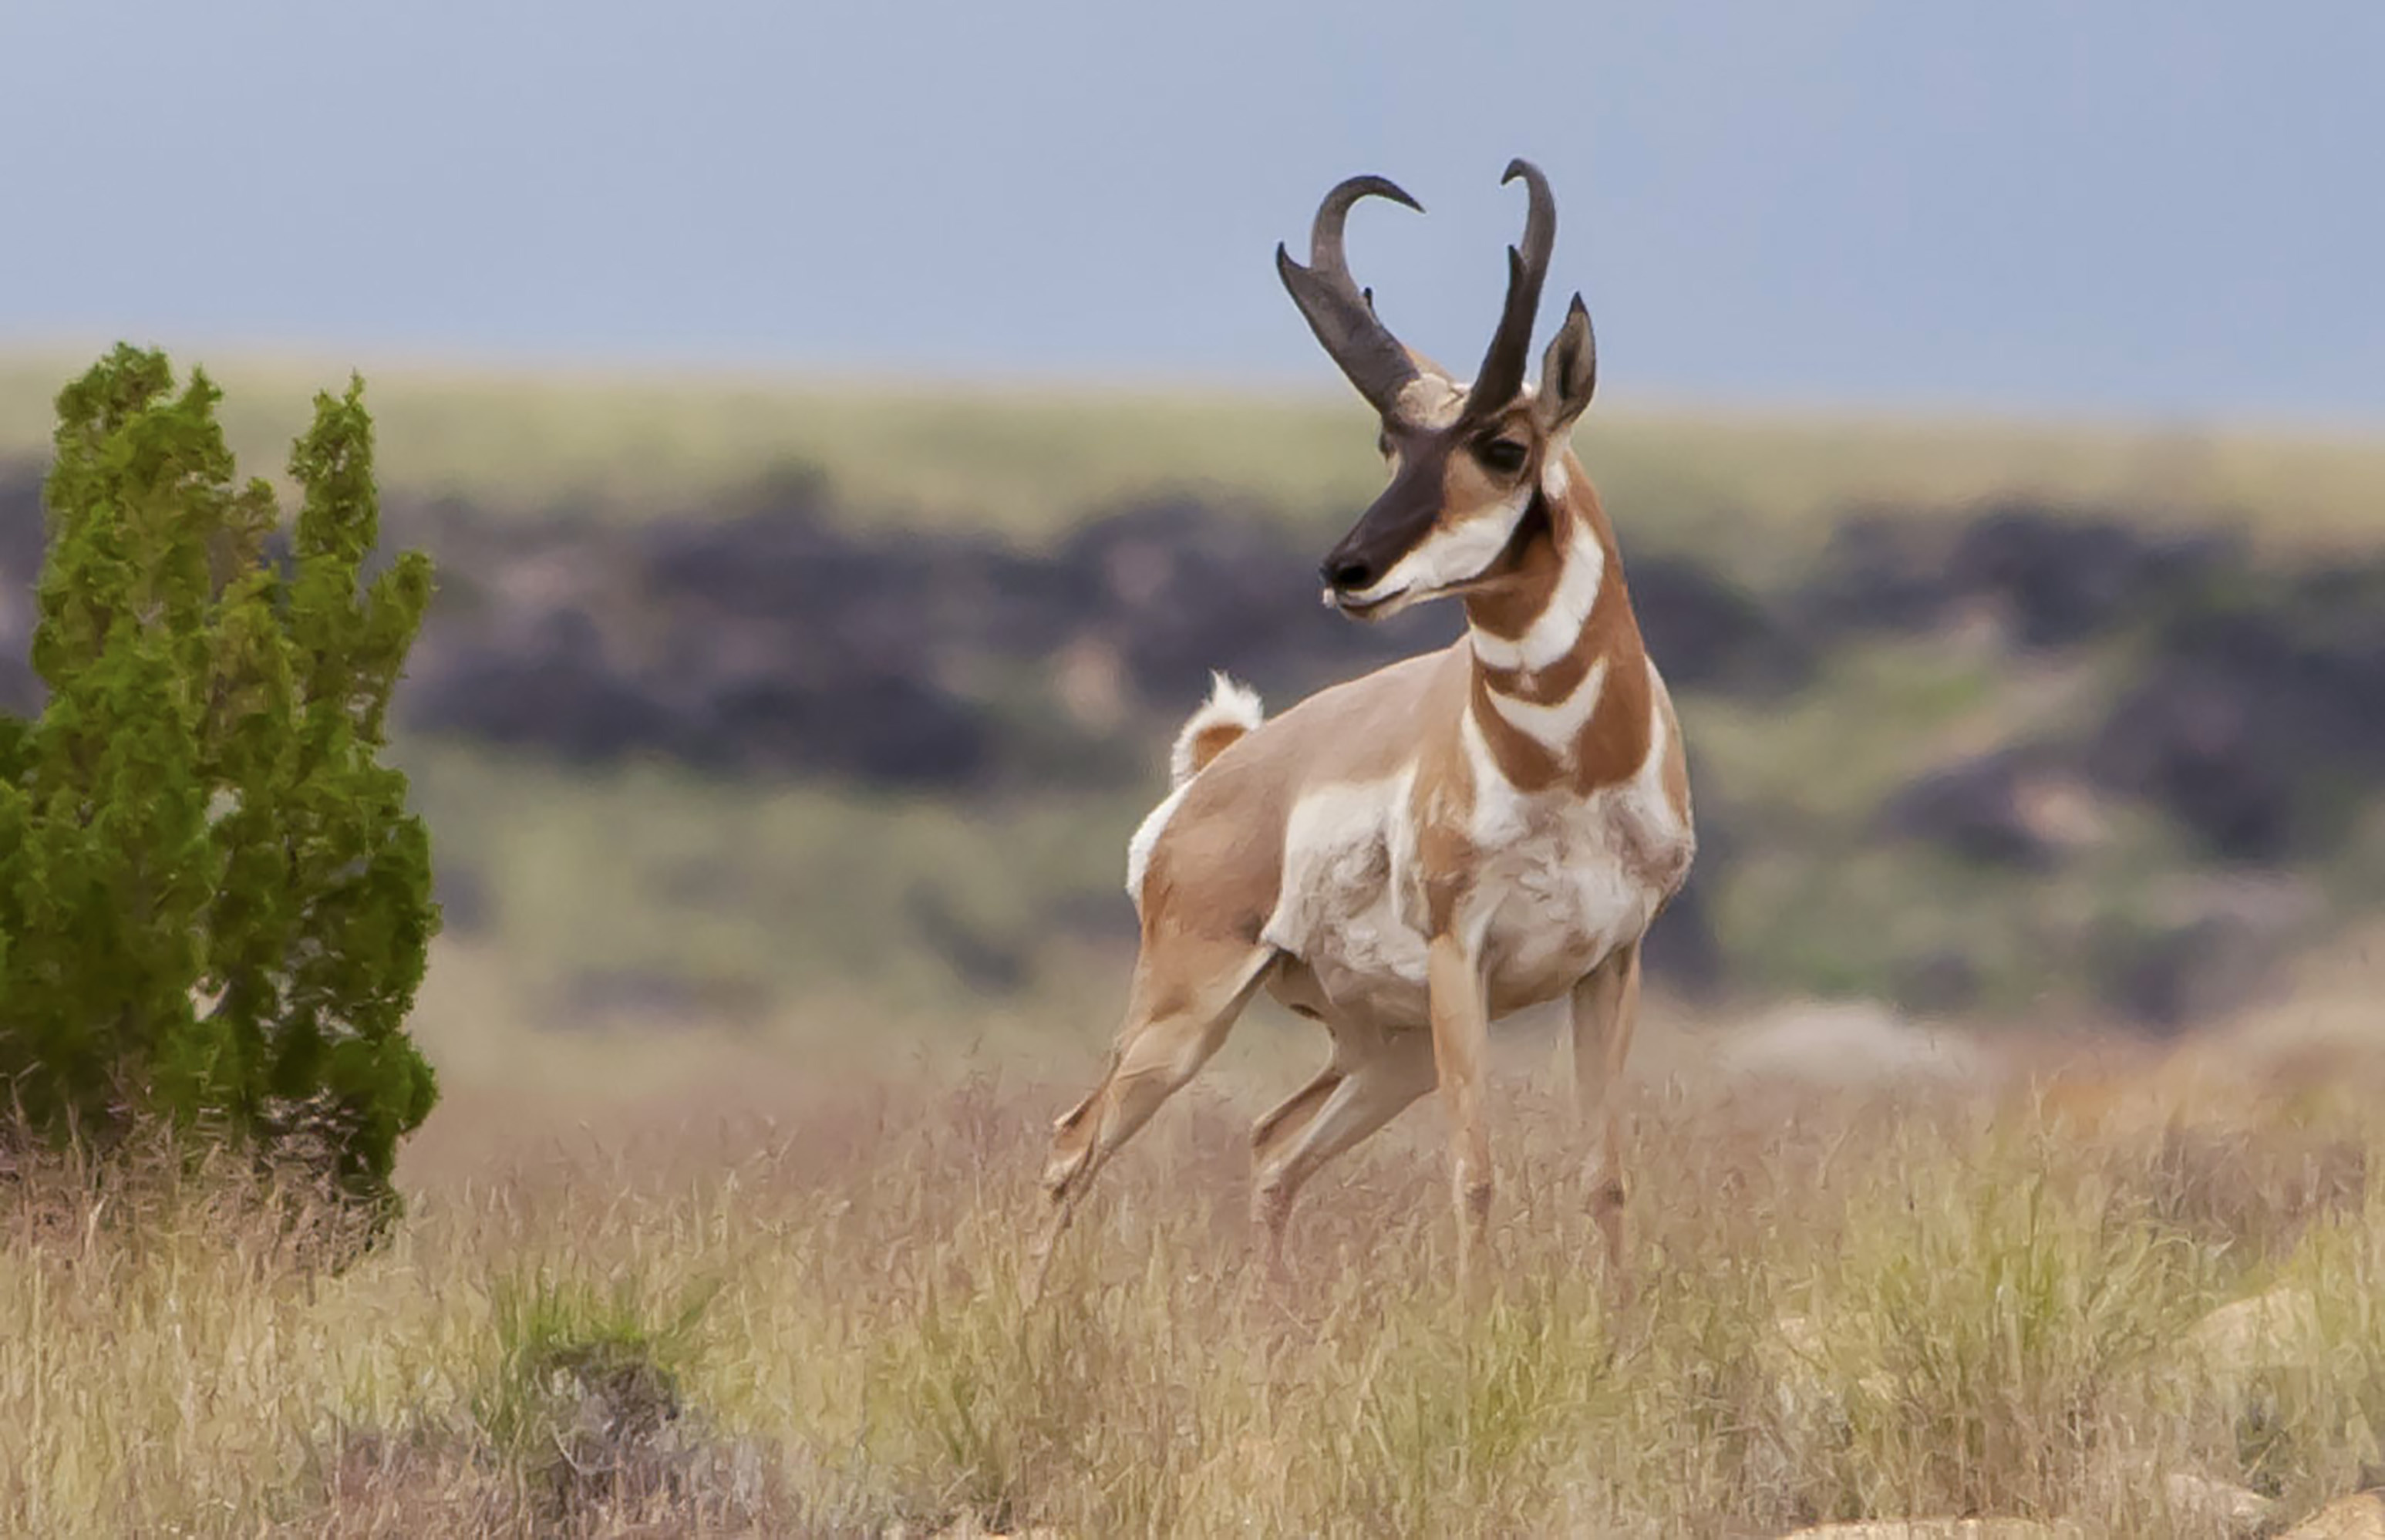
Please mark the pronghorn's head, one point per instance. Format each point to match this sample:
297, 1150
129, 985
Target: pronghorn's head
1470, 464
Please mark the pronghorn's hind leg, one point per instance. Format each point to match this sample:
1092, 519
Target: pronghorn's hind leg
1290, 1115
1606, 1008
1371, 1081
1185, 998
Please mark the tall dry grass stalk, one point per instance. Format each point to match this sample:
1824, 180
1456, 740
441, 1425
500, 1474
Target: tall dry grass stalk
1851, 1304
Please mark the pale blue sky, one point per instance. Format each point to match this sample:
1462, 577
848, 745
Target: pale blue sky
2139, 207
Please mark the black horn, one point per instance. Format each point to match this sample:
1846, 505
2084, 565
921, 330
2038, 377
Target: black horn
1502, 374
1342, 317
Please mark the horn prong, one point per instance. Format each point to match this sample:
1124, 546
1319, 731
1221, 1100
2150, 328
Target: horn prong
1502, 374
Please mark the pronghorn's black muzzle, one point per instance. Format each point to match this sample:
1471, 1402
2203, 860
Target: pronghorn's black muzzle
1390, 528
1348, 574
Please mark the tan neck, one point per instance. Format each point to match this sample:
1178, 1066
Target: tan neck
1560, 689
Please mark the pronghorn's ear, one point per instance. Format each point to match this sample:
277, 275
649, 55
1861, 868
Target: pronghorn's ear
1568, 371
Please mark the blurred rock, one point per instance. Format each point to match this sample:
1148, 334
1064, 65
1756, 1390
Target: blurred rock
1181, 588
2014, 808
2276, 1330
2256, 720
2210, 948
2254, 1360
2049, 577
2060, 579
541, 681
623, 1444
2358, 1517
776, 638
1940, 1529
1879, 571
1848, 1045
2217, 1507
764, 643
1707, 633
967, 1527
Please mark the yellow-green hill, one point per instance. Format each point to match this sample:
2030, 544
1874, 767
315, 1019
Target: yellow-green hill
1033, 459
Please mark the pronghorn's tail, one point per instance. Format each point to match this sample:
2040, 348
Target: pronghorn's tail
1231, 711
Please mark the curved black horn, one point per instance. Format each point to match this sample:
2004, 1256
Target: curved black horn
1344, 318
1502, 374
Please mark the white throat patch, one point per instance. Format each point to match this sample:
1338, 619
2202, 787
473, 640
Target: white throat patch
1555, 725
1555, 629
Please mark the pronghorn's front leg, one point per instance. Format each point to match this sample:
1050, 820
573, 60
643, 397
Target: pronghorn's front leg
1461, 1031
1606, 1007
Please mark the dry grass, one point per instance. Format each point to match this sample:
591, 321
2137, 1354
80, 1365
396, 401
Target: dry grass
718, 1311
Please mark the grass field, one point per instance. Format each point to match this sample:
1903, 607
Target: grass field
1029, 461
761, 1299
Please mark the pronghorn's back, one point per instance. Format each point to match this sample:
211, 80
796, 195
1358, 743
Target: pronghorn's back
1212, 853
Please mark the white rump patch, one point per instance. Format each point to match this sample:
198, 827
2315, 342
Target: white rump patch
1230, 704
1146, 835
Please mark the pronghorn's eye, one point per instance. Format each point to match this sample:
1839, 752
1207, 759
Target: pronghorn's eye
1502, 455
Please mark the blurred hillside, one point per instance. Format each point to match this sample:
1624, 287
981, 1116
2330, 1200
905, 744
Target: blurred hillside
739, 697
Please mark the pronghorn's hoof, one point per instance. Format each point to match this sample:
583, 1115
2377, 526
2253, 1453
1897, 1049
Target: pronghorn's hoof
1270, 1218
1062, 1172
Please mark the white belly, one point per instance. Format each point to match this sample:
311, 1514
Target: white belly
1346, 907
1566, 883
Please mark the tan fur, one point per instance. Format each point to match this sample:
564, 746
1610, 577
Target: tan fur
1410, 856
1605, 1008
1210, 742
1215, 875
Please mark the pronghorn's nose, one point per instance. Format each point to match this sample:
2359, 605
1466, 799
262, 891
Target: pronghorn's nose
1347, 574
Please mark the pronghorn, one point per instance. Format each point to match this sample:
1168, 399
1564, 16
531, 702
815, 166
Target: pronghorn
1412, 854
